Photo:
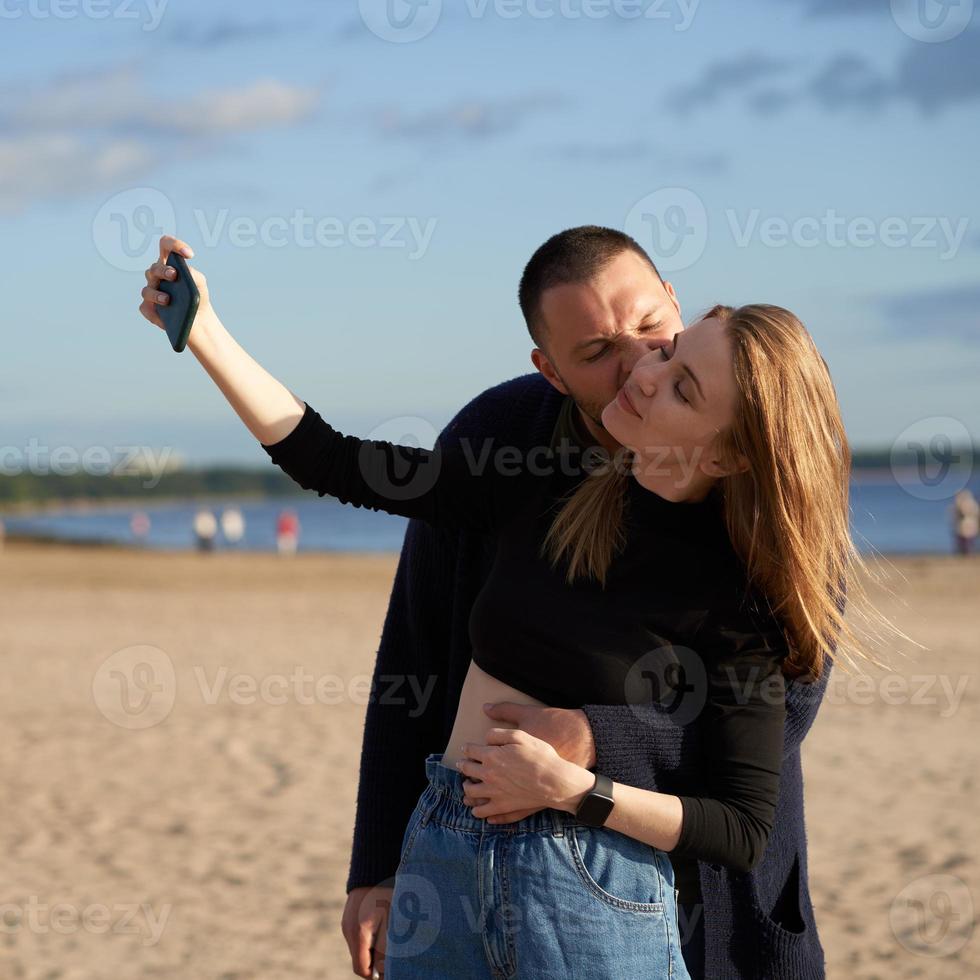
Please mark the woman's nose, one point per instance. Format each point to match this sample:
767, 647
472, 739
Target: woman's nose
644, 373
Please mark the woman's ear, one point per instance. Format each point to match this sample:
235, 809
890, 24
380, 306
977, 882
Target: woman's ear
714, 467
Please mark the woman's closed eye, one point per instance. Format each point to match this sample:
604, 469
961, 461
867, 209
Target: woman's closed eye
677, 384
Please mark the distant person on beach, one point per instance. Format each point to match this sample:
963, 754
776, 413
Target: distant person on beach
232, 525
205, 528
139, 525
965, 513
287, 532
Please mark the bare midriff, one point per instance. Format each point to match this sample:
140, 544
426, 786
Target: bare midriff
472, 722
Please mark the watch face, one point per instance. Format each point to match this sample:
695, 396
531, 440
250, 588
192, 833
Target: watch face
594, 810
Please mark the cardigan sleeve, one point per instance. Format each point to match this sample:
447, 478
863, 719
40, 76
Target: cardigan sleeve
399, 729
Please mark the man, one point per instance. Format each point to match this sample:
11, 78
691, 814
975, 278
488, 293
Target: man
594, 303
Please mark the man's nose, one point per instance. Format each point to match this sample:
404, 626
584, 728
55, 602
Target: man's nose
636, 348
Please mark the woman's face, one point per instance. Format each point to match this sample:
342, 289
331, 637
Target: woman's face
671, 409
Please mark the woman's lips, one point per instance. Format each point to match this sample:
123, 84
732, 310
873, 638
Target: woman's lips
622, 396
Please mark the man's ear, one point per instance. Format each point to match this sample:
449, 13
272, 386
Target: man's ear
673, 296
540, 360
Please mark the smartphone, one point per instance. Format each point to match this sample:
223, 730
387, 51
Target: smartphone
178, 314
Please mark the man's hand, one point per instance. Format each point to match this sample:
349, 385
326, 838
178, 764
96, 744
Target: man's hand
566, 729
365, 927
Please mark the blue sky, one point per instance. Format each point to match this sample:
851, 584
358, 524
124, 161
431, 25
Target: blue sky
822, 156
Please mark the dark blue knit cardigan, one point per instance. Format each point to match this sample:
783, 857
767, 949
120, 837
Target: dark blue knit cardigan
758, 923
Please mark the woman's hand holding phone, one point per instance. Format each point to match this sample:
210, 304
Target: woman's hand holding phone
154, 297
268, 408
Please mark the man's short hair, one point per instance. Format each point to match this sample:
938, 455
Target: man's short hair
574, 255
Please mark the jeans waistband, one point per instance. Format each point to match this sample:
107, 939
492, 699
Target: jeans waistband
449, 783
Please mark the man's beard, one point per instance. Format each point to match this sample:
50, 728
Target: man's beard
590, 409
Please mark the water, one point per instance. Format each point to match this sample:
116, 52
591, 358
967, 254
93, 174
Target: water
885, 518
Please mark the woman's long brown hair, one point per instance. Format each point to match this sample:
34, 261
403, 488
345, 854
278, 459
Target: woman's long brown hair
787, 514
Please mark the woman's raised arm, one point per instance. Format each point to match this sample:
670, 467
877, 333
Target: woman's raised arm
268, 408
461, 487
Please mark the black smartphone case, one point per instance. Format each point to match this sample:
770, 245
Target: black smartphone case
178, 314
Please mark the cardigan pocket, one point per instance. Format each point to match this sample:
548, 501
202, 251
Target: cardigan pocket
786, 923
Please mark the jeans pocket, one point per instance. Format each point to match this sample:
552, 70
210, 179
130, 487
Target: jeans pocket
619, 870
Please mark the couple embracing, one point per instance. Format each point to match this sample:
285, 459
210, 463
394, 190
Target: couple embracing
653, 627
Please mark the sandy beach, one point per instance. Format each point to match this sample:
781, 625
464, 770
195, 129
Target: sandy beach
195, 821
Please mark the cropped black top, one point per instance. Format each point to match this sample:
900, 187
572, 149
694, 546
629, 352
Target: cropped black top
675, 606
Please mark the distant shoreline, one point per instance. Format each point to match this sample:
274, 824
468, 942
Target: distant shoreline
87, 505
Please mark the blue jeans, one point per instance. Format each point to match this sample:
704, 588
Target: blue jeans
540, 898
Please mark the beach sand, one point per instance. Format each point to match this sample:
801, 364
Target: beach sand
205, 832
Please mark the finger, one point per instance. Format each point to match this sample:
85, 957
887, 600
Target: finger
158, 271
170, 244
148, 310
504, 736
512, 816
505, 711
470, 767
474, 750
378, 962
486, 810
152, 295
362, 949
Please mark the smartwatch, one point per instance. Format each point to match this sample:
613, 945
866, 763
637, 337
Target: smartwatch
597, 804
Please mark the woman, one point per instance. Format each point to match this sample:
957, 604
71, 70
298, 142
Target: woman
703, 424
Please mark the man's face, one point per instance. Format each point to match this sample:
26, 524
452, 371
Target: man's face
595, 332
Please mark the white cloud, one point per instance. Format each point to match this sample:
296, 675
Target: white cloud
46, 165
85, 131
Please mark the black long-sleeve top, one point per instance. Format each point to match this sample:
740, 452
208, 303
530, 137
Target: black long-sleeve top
675, 607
